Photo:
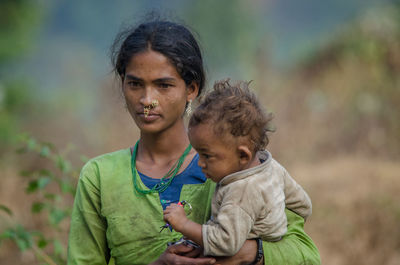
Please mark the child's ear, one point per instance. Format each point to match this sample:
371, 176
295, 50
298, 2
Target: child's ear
245, 155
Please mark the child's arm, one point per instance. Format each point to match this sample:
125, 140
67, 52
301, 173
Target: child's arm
296, 198
175, 215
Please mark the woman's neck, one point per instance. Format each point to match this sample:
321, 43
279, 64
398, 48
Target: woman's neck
164, 146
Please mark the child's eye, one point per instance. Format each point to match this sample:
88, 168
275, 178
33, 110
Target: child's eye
206, 156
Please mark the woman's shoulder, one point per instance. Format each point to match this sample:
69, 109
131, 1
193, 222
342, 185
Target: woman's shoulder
111, 156
107, 162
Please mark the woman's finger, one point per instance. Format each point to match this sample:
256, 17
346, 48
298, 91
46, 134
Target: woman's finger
184, 255
194, 253
180, 249
192, 261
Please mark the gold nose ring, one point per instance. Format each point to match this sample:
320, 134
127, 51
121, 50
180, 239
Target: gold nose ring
146, 109
154, 103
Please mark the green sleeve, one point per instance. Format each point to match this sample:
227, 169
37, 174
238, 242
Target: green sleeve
87, 242
296, 247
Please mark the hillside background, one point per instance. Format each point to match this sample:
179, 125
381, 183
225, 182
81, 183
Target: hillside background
328, 70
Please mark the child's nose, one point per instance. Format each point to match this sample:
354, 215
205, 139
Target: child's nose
201, 163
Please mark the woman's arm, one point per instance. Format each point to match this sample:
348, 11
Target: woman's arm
296, 247
246, 255
186, 254
87, 242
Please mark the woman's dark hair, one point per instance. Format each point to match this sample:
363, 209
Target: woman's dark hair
172, 40
234, 109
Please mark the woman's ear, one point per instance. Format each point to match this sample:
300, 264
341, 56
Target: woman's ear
192, 91
245, 155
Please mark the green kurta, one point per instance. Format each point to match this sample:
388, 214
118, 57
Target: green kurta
110, 219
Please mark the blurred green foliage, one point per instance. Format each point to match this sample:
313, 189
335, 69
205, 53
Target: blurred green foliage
354, 84
19, 21
14, 104
53, 184
230, 33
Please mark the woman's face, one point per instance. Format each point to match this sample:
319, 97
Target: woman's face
150, 77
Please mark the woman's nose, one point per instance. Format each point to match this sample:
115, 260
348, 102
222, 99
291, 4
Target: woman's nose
147, 97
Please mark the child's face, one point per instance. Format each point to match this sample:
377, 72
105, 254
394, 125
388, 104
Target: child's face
217, 157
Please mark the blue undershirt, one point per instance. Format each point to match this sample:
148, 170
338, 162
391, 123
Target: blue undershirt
191, 175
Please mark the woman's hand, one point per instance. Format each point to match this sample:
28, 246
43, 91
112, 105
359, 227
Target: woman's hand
182, 254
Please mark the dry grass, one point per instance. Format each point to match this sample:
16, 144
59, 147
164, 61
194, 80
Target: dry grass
356, 212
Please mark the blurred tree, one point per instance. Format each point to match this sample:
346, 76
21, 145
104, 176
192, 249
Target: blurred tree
230, 34
354, 83
19, 20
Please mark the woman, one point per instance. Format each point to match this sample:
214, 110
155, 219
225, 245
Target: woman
120, 196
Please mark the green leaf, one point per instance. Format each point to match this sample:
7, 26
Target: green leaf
42, 243
63, 164
42, 182
58, 247
45, 151
31, 144
8, 234
51, 146
46, 173
50, 196
6, 209
56, 216
37, 207
22, 244
66, 187
32, 186
23, 238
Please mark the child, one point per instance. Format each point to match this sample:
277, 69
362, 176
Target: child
229, 132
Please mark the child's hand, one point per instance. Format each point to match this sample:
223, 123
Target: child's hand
175, 215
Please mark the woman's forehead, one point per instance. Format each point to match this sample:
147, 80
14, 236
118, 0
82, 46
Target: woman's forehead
151, 64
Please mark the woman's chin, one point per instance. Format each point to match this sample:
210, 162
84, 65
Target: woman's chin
150, 128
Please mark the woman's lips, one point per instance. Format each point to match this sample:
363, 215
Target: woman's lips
149, 117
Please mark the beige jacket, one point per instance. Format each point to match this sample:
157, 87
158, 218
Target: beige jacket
250, 204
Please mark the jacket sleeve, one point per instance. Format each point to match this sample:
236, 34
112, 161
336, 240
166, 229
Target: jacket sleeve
225, 235
87, 242
296, 198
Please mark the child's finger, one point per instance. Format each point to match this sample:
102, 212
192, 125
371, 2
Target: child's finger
171, 206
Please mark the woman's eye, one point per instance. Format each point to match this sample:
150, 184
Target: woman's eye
133, 84
164, 85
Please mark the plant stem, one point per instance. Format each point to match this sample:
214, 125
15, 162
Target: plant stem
43, 255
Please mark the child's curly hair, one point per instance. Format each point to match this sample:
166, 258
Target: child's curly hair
234, 108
